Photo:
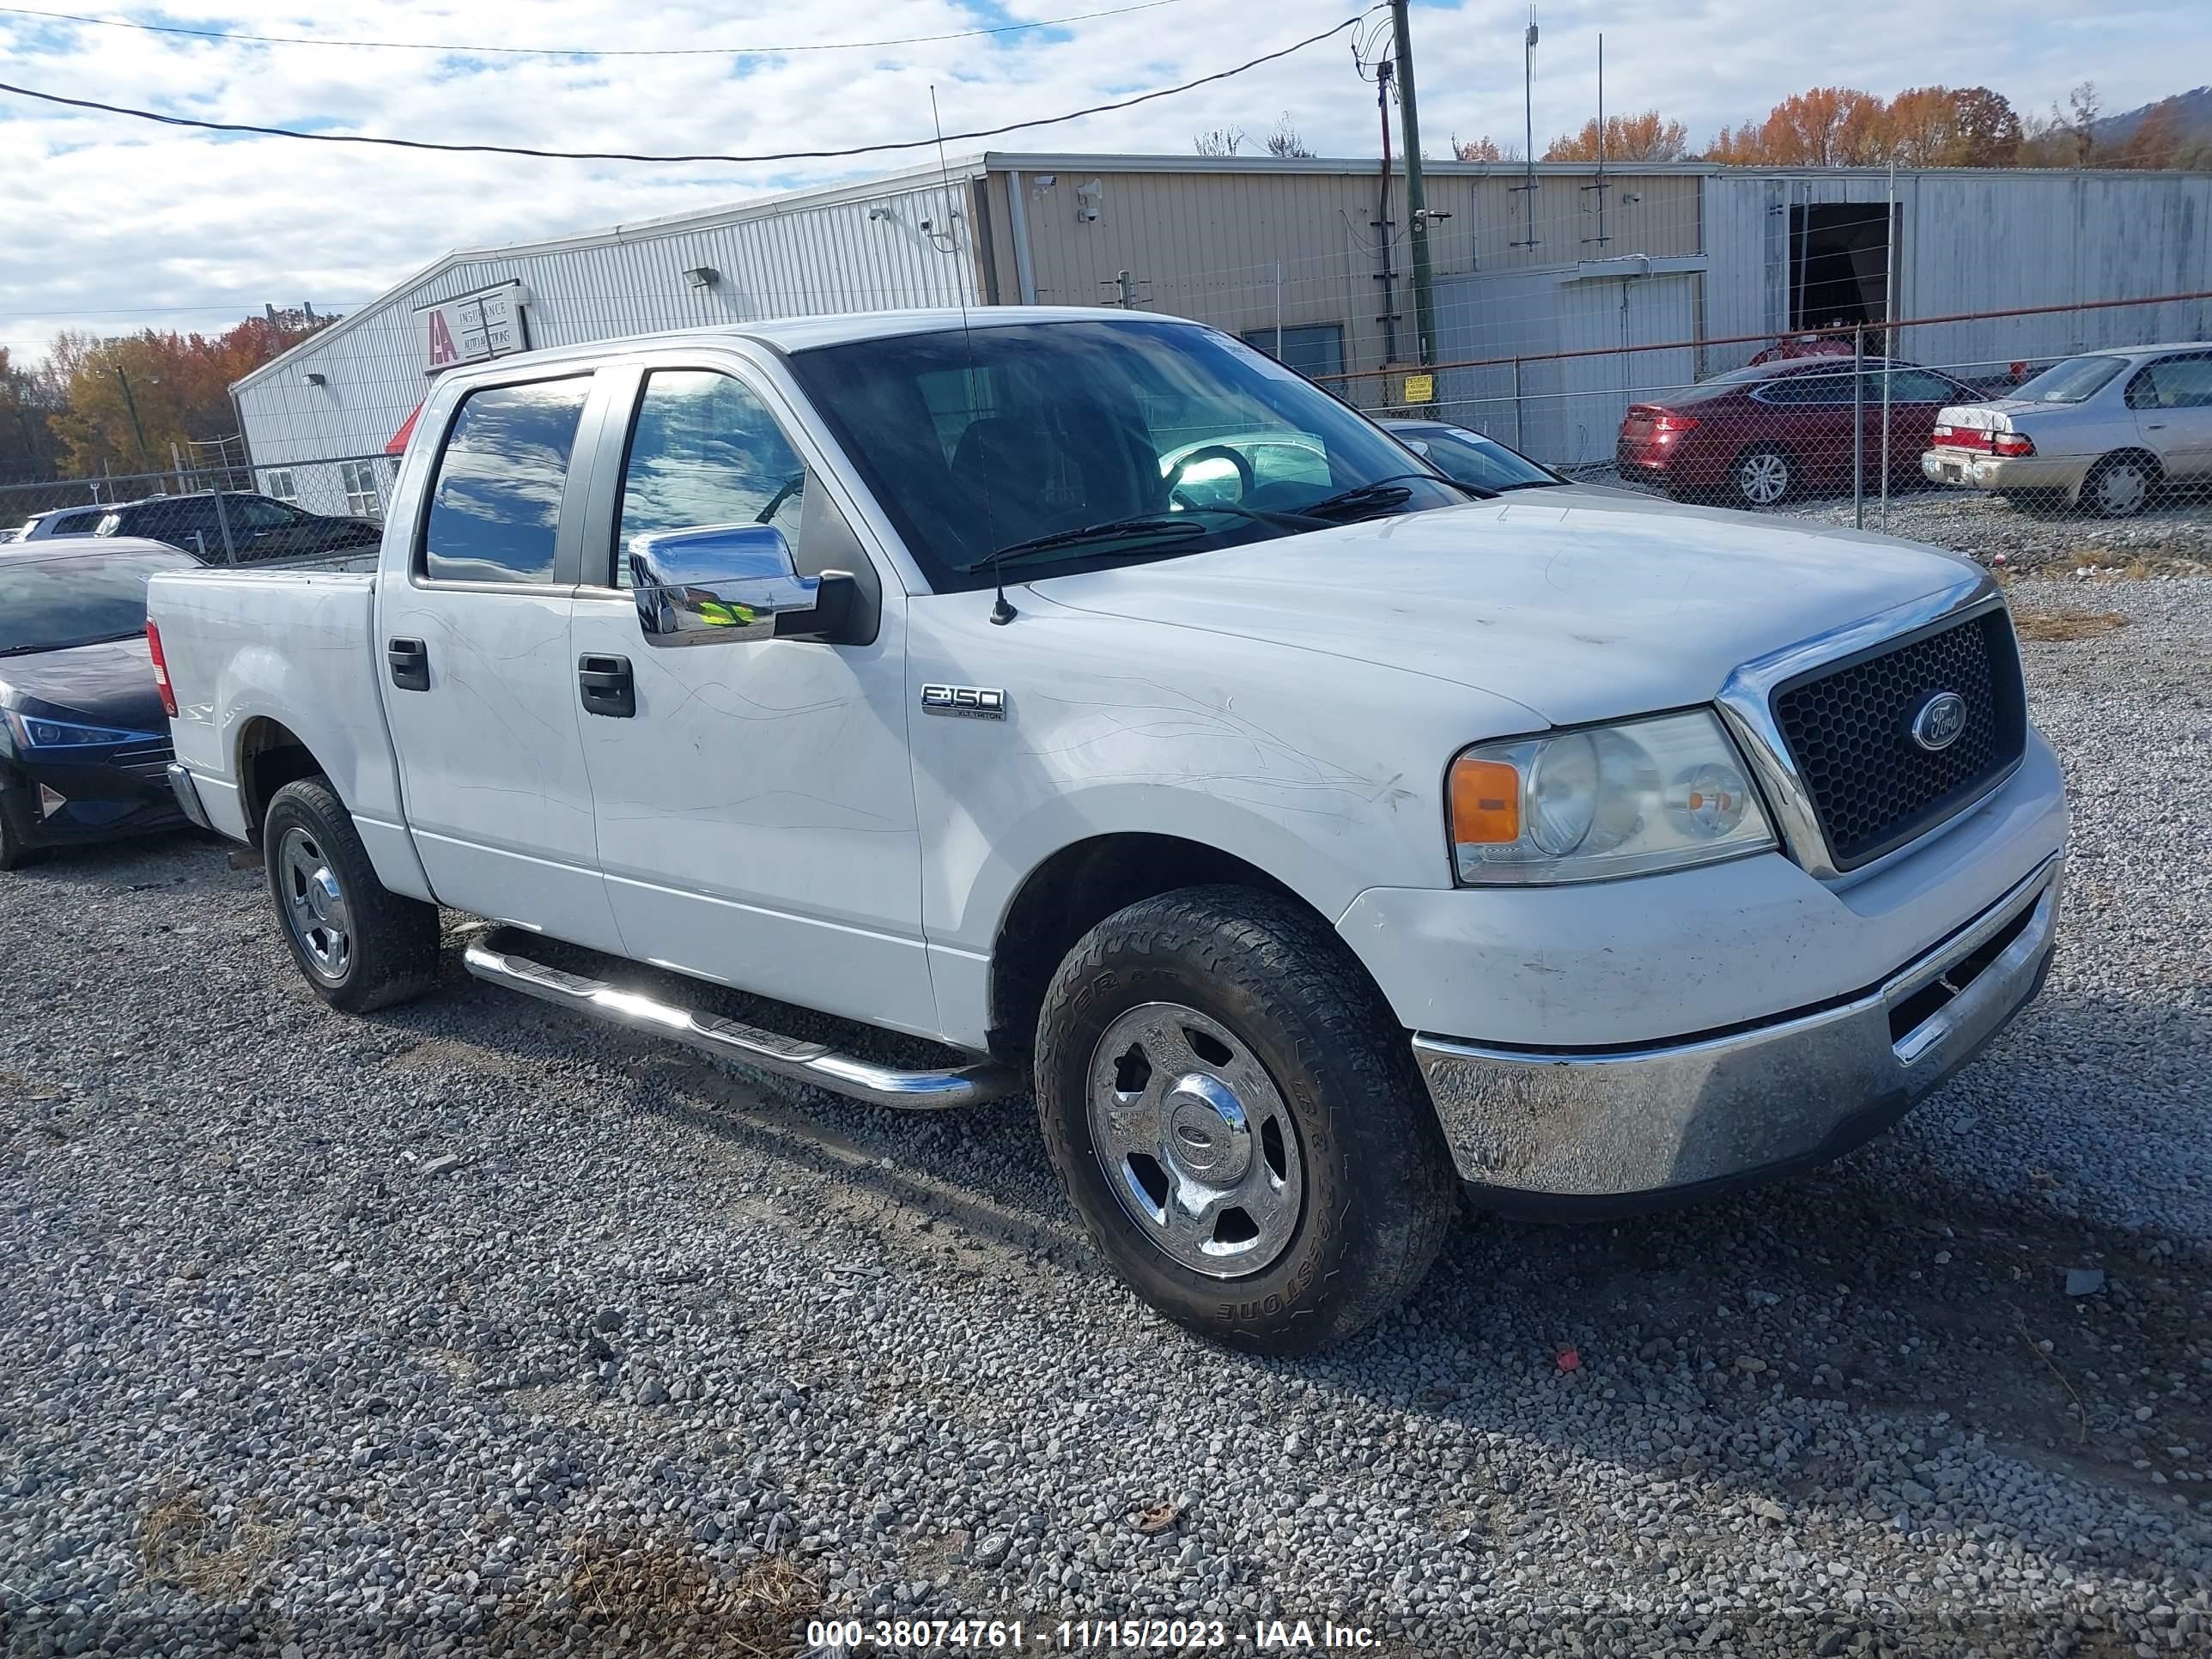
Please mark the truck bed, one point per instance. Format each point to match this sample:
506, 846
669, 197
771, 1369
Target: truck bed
253, 654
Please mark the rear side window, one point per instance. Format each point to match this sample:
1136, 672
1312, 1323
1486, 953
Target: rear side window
496, 507
2172, 383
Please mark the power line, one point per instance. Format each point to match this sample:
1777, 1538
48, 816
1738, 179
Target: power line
622, 155
574, 51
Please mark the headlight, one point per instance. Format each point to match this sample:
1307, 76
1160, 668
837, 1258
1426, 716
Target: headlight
1610, 801
33, 732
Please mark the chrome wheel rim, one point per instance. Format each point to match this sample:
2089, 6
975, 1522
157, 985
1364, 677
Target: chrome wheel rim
1763, 479
314, 906
1196, 1140
2122, 489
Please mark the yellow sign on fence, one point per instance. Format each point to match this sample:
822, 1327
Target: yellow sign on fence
1420, 388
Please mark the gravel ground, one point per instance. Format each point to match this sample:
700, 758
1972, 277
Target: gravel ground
469, 1328
2174, 533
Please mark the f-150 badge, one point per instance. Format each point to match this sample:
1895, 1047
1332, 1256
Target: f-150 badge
974, 702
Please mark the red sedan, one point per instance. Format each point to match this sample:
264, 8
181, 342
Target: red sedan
1758, 436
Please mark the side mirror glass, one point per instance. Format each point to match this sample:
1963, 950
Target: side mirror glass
717, 582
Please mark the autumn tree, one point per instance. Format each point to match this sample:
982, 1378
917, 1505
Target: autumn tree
1646, 138
1285, 143
125, 400
2157, 140
1987, 129
27, 446
1484, 148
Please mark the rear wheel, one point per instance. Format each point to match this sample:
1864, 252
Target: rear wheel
1764, 476
2120, 486
1236, 1116
361, 945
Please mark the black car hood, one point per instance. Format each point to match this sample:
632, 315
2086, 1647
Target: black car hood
110, 684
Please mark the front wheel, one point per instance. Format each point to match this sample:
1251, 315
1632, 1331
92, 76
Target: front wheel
361, 945
1238, 1122
2120, 486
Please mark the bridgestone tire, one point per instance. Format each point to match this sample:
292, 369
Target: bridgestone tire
1379, 1192
393, 953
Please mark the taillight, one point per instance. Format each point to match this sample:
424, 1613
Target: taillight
2012, 443
1961, 437
1674, 423
160, 670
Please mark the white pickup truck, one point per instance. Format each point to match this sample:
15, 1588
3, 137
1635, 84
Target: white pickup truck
1092, 697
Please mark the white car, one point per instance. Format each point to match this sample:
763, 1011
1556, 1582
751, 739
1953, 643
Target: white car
1312, 845
2103, 430
62, 521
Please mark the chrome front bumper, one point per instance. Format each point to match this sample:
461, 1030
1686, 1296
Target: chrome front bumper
1620, 1130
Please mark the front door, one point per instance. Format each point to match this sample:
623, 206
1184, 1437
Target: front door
479, 689
756, 805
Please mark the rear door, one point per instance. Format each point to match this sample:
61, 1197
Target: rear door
479, 690
756, 804
2171, 398
1810, 415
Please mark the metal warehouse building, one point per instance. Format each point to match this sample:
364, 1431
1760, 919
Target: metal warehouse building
1543, 275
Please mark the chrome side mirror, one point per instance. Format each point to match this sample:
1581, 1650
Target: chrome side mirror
727, 582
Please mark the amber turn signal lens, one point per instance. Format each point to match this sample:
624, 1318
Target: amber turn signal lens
1486, 803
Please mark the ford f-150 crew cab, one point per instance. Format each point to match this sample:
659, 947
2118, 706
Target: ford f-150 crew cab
1317, 845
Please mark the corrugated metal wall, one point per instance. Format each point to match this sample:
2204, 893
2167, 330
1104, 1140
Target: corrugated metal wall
1978, 242
865, 250
1207, 243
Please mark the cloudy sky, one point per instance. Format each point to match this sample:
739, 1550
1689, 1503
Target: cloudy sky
116, 224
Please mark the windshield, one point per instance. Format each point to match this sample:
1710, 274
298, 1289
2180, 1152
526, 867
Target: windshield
48, 603
2075, 380
1473, 458
1154, 439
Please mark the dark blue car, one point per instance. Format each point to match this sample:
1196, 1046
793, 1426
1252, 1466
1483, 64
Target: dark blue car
84, 746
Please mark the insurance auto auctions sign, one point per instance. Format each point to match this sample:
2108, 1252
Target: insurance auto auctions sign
486, 324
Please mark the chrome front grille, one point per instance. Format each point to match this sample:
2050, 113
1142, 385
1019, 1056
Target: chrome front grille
1827, 725
1848, 729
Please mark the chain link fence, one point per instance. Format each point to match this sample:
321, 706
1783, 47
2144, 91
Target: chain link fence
233, 513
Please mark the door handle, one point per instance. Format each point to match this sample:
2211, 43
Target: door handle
607, 685
410, 664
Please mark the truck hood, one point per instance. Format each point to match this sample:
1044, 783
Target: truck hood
1578, 610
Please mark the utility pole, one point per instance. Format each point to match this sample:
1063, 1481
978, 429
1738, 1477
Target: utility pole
1417, 211
145, 462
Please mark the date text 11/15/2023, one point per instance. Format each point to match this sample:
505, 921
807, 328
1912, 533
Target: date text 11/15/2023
1085, 1635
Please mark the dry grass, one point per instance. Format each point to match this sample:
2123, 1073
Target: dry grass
181, 1543
667, 1593
2049, 625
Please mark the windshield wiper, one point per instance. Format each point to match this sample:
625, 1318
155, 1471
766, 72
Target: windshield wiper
1390, 490
1150, 524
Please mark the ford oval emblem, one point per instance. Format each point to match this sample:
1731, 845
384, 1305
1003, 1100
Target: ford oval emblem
1940, 721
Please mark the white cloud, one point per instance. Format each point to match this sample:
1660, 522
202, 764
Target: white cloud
116, 224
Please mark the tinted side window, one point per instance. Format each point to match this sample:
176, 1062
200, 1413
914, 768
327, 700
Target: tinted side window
705, 450
1806, 389
496, 507
1916, 386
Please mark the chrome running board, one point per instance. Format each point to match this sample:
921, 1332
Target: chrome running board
728, 1039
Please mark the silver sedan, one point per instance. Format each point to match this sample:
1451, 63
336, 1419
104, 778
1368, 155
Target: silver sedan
2103, 430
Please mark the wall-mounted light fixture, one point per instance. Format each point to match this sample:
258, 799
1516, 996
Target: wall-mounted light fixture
702, 276
313, 378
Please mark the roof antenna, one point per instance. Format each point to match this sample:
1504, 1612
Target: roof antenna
1001, 612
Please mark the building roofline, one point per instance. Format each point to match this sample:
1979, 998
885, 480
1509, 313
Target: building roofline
698, 219
977, 165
